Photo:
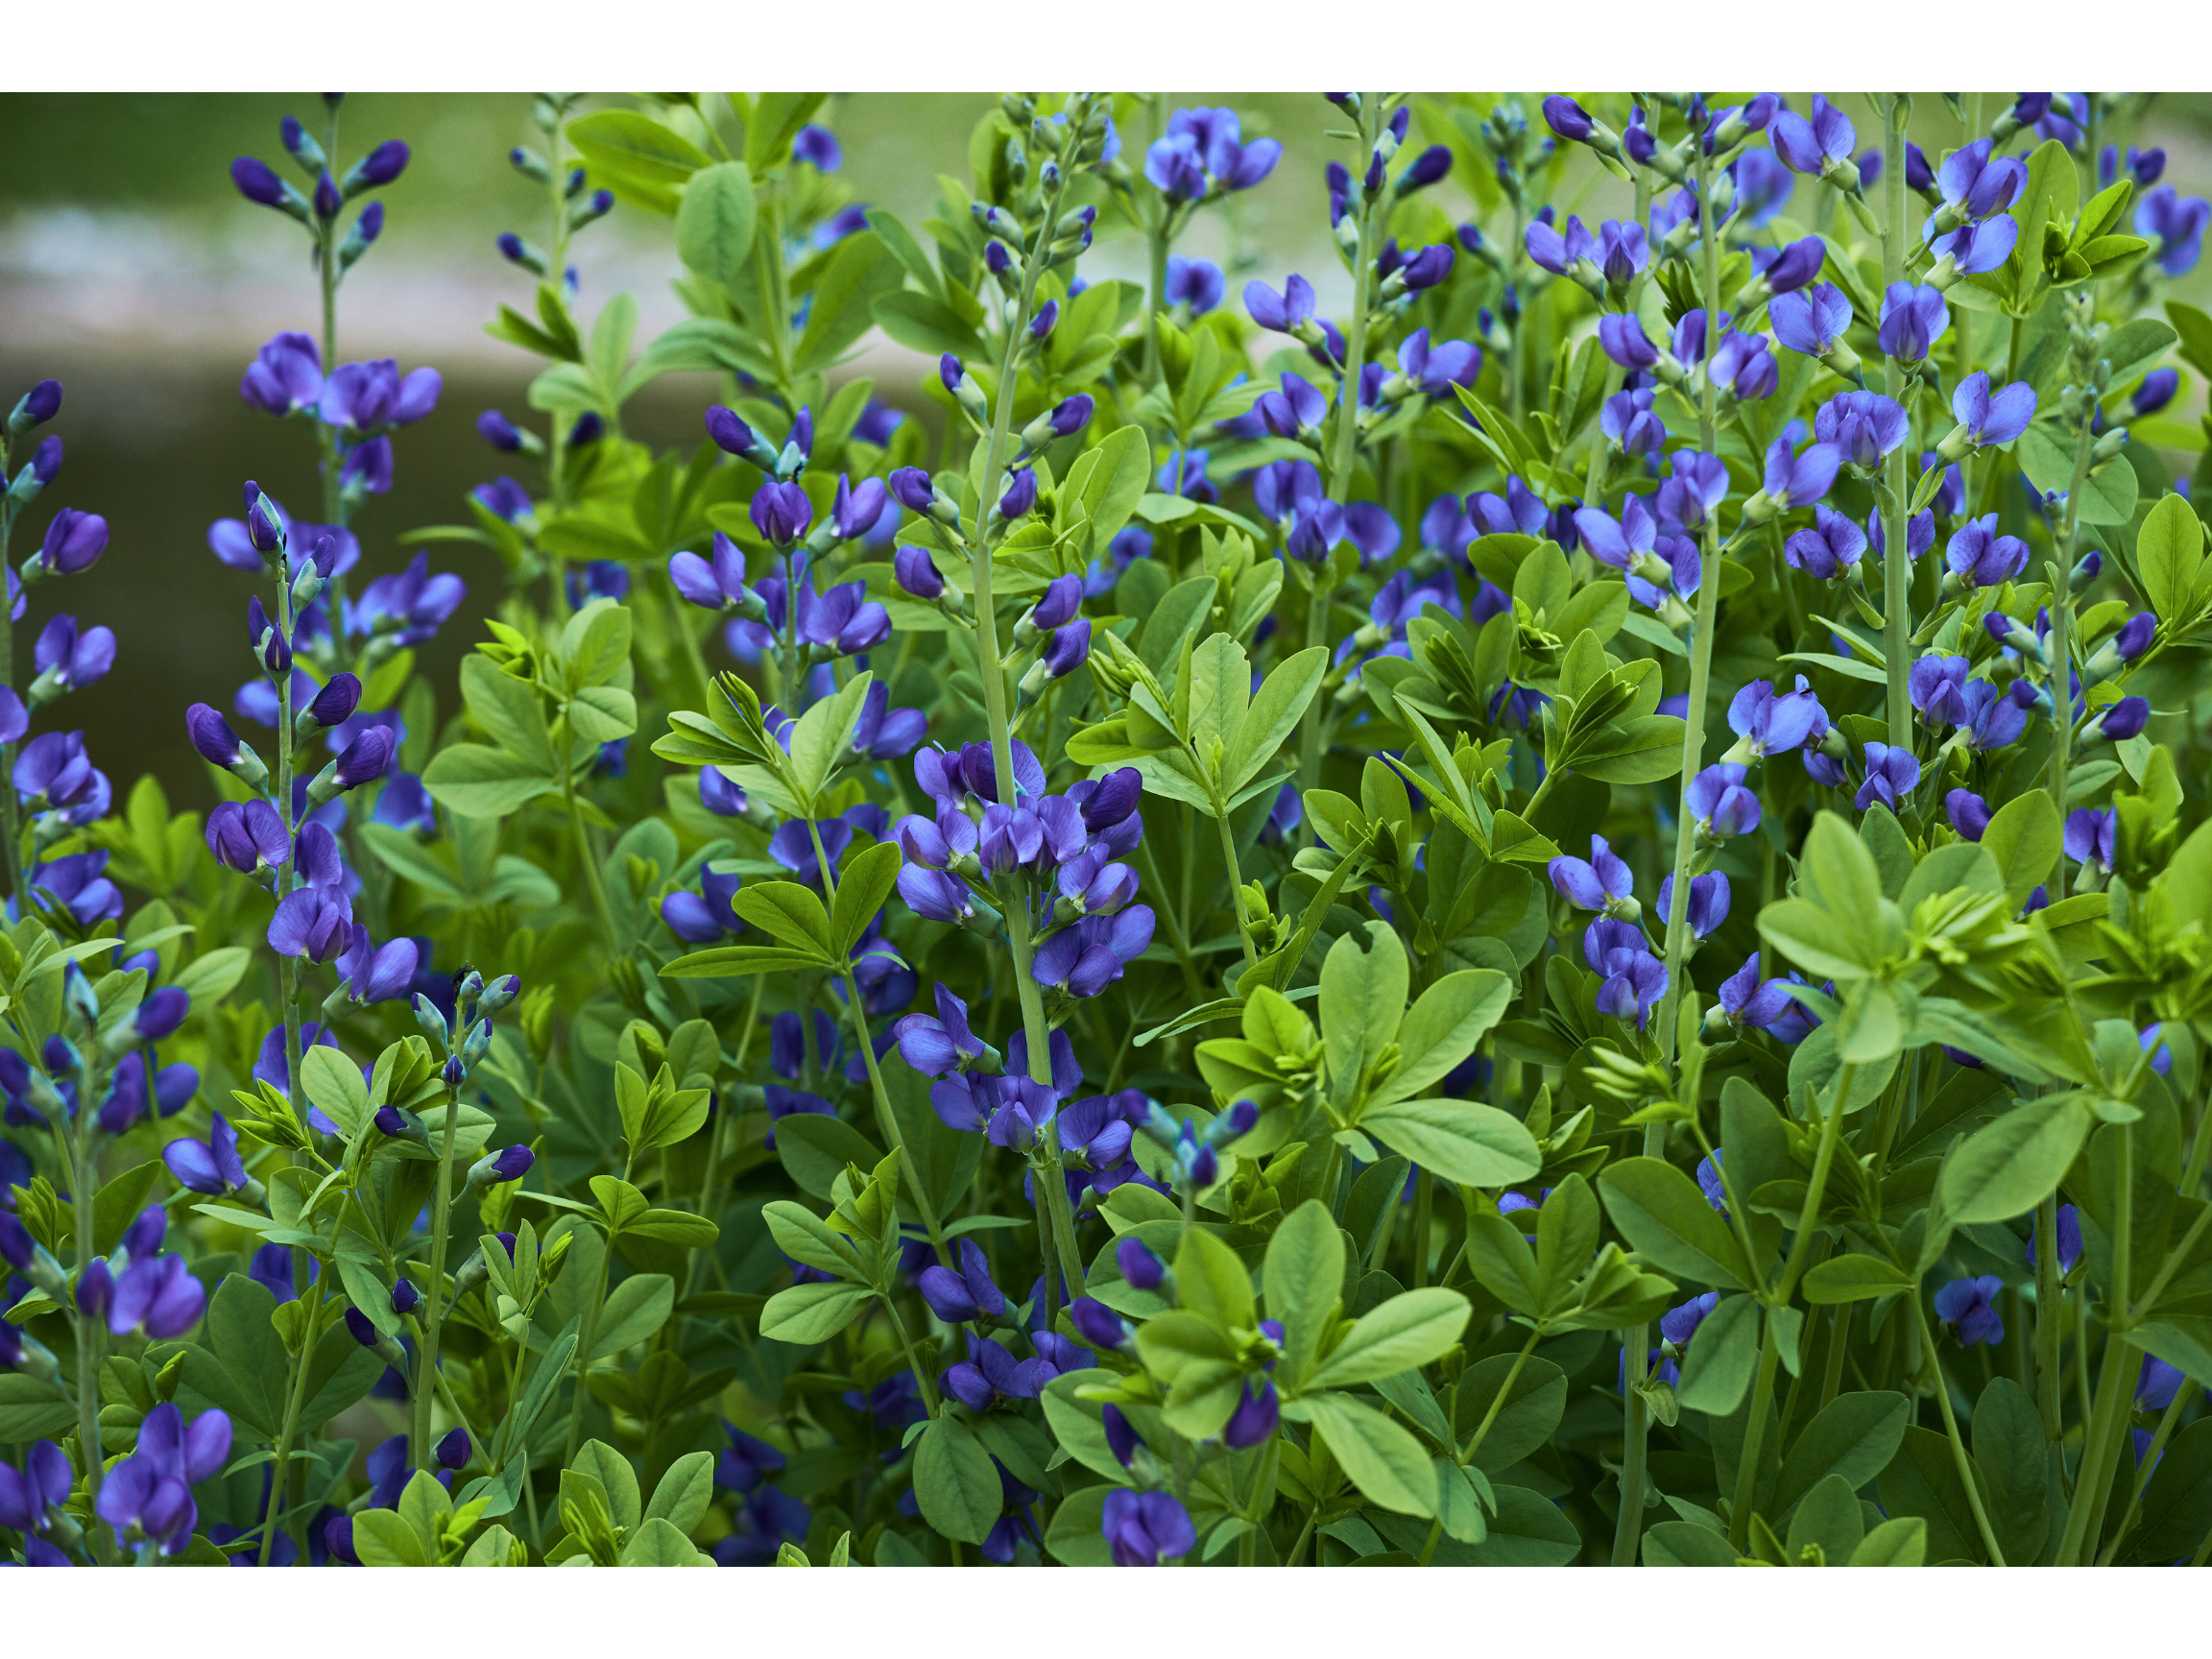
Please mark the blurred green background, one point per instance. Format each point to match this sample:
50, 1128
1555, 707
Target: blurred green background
131, 271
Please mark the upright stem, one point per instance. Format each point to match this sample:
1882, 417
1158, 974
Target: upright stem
2049, 1299
1754, 1440
1636, 1431
434, 1289
1897, 558
1958, 1458
1344, 449
91, 1332
1235, 885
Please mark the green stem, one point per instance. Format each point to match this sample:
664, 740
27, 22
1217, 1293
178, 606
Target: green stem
2101, 1436
2167, 1424
588, 1332
1754, 1437
1637, 1428
295, 1401
91, 1333
593, 877
921, 1372
2049, 1299
1958, 1458
1235, 880
1344, 449
1466, 1455
433, 1288
1897, 560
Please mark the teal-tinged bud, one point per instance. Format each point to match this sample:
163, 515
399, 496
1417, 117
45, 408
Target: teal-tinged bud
465, 996
499, 993
431, 1021
530, 164
478, 1044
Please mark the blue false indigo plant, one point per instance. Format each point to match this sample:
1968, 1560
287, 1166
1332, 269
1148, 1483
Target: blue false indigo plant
1705, 940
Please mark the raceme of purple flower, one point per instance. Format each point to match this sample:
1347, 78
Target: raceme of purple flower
1981, 558
149, 1493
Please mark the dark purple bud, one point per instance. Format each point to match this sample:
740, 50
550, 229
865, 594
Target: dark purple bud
160, 1015
391, 1122
74, 540
380, 166
1430, 165
1069, 649
1567, 118
263, 527
1072, 415
497, 430
2135, 637
1121, 1437
510, 1164
358, 1323
46, 460
911, 488
266, 641
588, 430
1099, 1326
335, 703
212, 735
915, 573
1139, 1266
453, 1451
1021, 495
327, 198
257, 181
2126, 718
41, 403
1428, 268
405, 1297
728, 432
1063, 598
367, 757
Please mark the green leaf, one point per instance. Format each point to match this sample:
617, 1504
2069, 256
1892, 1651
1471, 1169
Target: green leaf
615, 1476
644, 162
1854, 1435
2177, 1504
213, 977
1900, 1541
2170, 555
1686, 1544
2007, 1167
1410, 1330
790, 911
333, 1083
1462, 1141
382, 1539
660, 1543
1526, 1530
1717, 1369
1667, 1219
816, 1153
1212, 1280
238, 1362
31, 1410
2024, 836
714, 222
1383, 1460
1275, 712
809, 1314
954, 1481
1837, 872
1363, 980
2009, 1451
867, 881
1852, 1278
1302, 1277
634, 1310
736, 961
1526, 1420
1442, 1028
481, 782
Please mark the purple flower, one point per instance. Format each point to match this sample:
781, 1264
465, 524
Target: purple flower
1256, 1417
246, 837
1627, 419
1891, 775
42, 1484
1146, 1528
1677, 1325
1919, 534
1992, 720
1991, 421
1828, 549
1708, 902
1912, 320
1865, 425
1197, 283
1720, 806
2157, 391
780, 512
1600, 883
2175, 225
149, 1493
1622, 339
1089, 955
1820, 146
707, 916
74, 541
1813, 320
1968, 1307
1747, 1001
1936, 686
1981, 558
1280, 313
959, 1296
213, 1166
157, 1297
285, 376
1768, 724
1743, 367
1968, 812
936, 1046
1633, 989
1975, 184
53, 770
411, 605
2090, 836
2069, 1239
366, 398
